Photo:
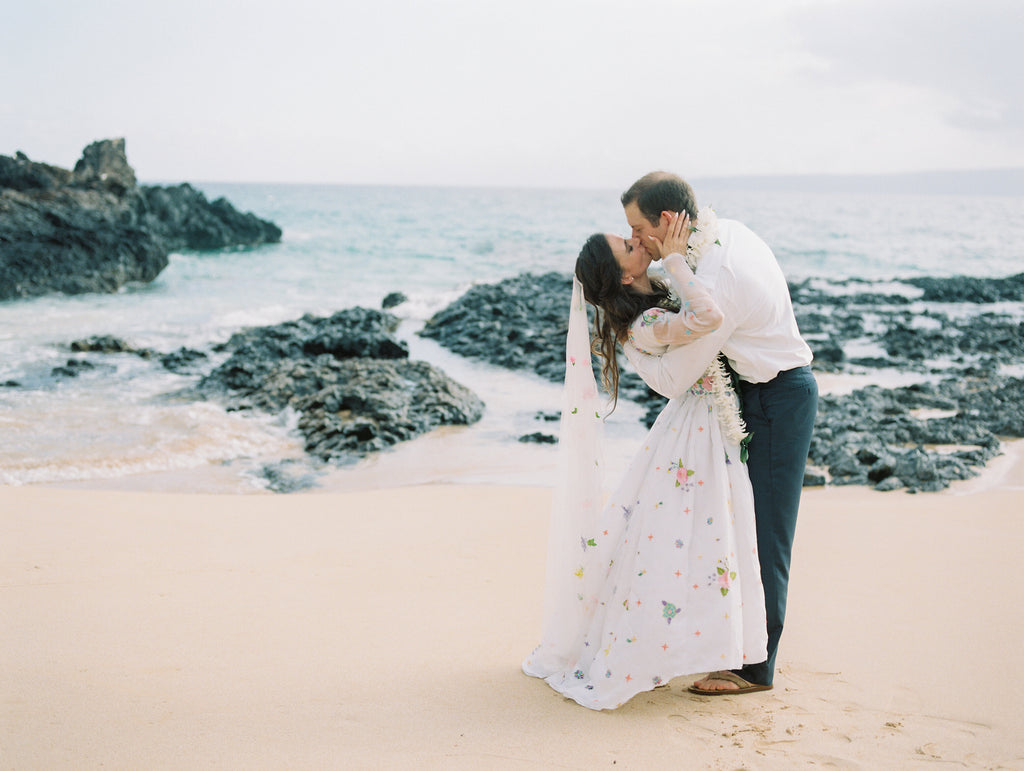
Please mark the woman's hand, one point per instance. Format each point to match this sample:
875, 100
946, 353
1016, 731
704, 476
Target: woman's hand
676, 236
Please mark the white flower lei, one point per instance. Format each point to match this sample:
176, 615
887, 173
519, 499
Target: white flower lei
733, 426
704, 234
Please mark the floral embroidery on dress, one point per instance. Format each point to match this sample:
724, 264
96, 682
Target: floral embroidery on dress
650, 316
706, 385
683, 474
669, 611
646, 319
723, 577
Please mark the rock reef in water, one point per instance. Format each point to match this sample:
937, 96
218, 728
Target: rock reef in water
94, 229
877, 436
348, 378
519, 323
873, 436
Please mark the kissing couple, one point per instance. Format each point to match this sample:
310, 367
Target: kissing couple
684, 569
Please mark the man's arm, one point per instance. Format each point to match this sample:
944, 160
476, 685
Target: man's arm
672, 373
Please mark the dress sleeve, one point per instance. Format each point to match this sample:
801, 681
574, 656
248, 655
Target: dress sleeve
672, 373
642, 334
699, 314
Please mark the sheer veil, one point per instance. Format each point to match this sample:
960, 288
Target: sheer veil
570, 582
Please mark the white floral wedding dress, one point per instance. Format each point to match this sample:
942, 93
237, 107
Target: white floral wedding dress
662, 579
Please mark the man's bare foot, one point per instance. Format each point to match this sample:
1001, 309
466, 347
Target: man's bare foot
715, 682
724, 683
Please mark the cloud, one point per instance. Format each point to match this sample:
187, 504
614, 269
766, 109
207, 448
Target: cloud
966, 51
533, 93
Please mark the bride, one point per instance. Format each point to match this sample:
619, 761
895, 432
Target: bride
662, 579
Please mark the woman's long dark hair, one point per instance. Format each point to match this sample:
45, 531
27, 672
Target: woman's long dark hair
617, 304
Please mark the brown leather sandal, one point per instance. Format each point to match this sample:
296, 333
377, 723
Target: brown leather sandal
743, 686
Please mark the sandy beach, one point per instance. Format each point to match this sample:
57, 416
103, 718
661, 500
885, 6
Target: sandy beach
384, 629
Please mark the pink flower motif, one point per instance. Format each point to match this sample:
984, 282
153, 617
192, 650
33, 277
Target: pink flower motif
724, 577
572, 360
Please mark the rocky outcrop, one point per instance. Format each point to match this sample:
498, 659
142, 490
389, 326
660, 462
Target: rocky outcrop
186, 361
182, 218
393, 300
71, 241
519, 323
93, 229
347, 376
104, 166
877, 437
935, 340
971, 289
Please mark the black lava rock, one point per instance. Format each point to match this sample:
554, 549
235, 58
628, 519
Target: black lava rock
346, 375
72, 368
519, 323
94, 230
184, 360
538, 437
392, 300
861, 438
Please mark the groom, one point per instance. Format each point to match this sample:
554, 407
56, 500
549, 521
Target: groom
761, 340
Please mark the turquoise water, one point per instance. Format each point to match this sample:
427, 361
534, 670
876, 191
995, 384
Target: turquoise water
347, 246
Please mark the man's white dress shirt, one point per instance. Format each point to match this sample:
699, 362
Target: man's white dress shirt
758, 335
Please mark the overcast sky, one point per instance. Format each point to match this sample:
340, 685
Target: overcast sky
564, 93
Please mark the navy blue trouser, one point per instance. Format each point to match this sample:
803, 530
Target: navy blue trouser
780, 417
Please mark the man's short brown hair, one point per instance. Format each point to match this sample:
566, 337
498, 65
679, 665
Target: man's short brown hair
661, 191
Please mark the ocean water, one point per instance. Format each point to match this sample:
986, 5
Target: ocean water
120, 425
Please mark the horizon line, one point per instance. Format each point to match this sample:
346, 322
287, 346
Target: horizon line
996, 181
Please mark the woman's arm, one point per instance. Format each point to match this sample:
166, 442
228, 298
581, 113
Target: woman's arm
672, 373
699, 314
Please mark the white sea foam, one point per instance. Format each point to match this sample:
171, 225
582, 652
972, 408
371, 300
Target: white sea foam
92, 438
